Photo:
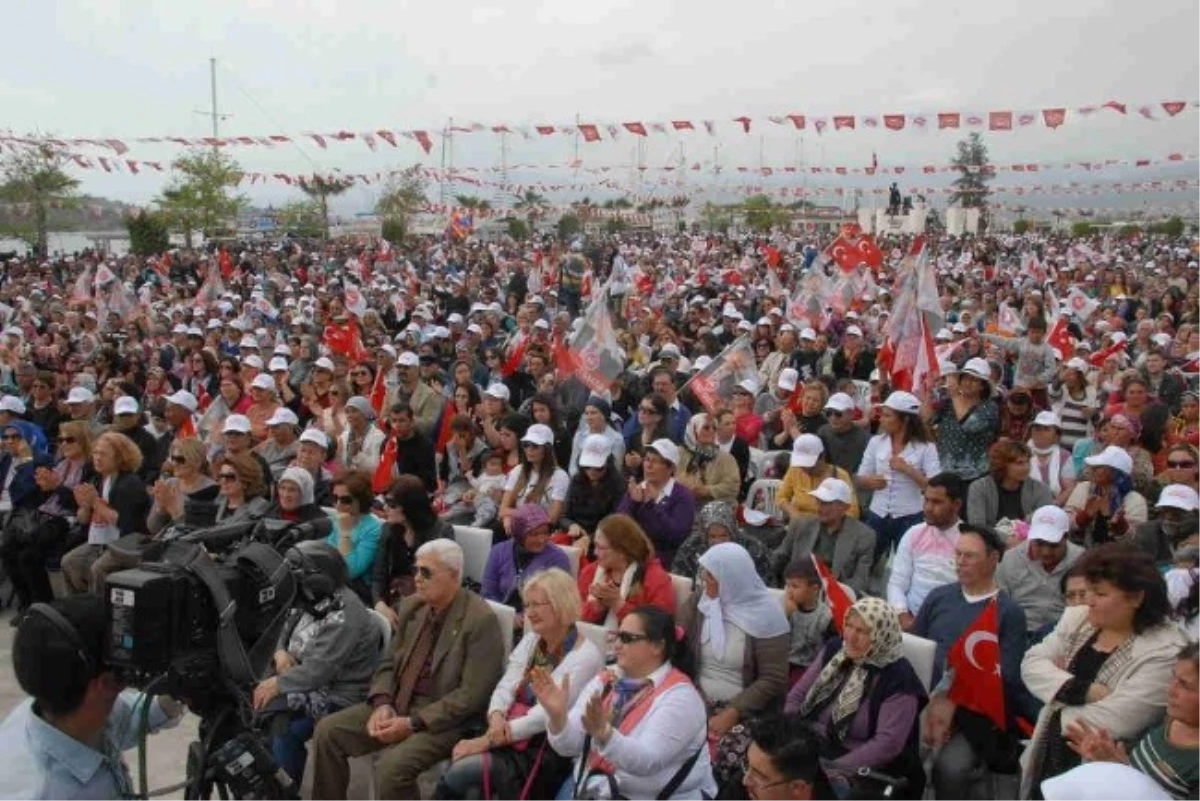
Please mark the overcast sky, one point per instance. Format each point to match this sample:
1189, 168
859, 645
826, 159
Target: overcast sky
125, 69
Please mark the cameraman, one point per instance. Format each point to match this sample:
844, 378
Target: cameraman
66, 741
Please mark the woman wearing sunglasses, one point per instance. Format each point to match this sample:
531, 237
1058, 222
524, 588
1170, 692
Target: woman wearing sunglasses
538, 479
242, 487
638, 729
189, 494
355, 530
24, 557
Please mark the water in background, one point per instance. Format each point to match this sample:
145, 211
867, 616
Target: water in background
71, 242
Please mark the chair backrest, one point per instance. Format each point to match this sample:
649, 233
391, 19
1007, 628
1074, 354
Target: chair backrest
507, 617
385, 630
573, 555
920, 653
756, 456
597, 634
477, 545
682, 585
761, 496
767, 461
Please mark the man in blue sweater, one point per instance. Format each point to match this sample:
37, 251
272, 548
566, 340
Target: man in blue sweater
946, 613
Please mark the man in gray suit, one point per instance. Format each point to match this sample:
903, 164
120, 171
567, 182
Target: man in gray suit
845, 545
446, 657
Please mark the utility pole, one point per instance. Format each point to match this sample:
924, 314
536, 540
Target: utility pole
212, 79
505, 191
446, 160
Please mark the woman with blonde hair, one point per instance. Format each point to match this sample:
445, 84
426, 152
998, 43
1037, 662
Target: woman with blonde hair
189, 493
625, 575
242, 487
111, 505
513, 757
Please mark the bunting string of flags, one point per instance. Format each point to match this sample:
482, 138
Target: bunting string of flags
1005, 120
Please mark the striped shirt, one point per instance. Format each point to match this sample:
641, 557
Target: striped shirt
1175, 769
1076, 415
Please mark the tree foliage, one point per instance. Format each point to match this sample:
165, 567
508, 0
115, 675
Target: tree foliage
1082, 229
762, 214
568, 226
149, 232
472, 202
201, 198
1172, 226
303, 218
971, 185
36, 175
714, 218
1021, 227
517, 228
403, 196
322, 187
532, 204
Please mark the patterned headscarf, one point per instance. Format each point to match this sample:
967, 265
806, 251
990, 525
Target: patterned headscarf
887, 646
704, 453
718, 513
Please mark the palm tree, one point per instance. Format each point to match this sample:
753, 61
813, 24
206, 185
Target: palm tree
531, 203
322, 187
472, 202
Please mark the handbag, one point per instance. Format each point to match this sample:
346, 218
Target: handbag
23, 526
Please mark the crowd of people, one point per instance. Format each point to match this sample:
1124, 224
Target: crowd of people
758, 559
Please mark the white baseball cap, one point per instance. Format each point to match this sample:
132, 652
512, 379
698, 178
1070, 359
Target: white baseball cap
979, 368
904, 402
943, 335
185, 399
124, 405
539, 434
786, 327
595, 451
408, 359
1048, 419
840, 402
1049, 524
253, 360
1178, 496
13, 404
666, 449
747, 385
1112, 456
832, 489
808, 333
277, 364
263, 381
807, 450
316, 436
283, 416
236, 424
80, 395
1077, 364
669, 351
324, 363
498, 391
701, 362
854, 331
788, 378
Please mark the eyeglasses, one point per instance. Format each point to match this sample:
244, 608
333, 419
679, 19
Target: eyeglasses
1188, 465
343, 499
177, 458
629, 638
68, 440
12, 437
226, 476
645, 410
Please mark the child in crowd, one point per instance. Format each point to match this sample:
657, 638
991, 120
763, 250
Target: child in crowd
489, 489
808, 613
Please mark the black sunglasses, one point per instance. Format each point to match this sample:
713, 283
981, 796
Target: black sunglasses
629, 638
227, 477
72, 441
177, 459
346, 499
1181, 465
12, 437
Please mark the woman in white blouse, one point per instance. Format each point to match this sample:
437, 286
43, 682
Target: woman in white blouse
538, 479
637, 730
897, 463
518, 762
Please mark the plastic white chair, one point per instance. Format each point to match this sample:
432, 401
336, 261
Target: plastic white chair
761, 496
920, 653
682, 585
768, 458
573, 556
477, 545
756, 457
597, 634
507, 617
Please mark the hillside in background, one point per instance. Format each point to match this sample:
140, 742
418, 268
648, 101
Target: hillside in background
88, 214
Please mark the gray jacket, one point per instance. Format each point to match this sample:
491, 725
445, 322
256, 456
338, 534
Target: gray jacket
337, 655
853, 550
1037, 592
983, 500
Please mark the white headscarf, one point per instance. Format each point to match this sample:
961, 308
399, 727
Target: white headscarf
743, 598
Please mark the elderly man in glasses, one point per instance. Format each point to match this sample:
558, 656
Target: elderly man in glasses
434, 682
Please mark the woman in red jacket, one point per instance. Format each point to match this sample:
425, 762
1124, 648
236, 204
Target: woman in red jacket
625, 575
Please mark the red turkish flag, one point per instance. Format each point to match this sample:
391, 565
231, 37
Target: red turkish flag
387, 136
893, 122
1115, 106
682, 125
975, 660
843, 122
1054, 117
950, 119
797, 121
999, 120
744, 122
544, 130
845, 252
635, 128
423, 140
1060, 338
1098, 358
382, 479
591, 133
835, 594
1174, 107
516, 355
870, 251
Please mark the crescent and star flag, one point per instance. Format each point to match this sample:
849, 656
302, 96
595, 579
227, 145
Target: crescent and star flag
516, 354
593, 353
1058, 337
975, 659
379, 394
835, 594
713, 386
1098, 358
343, 338
382, 479
908, 353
